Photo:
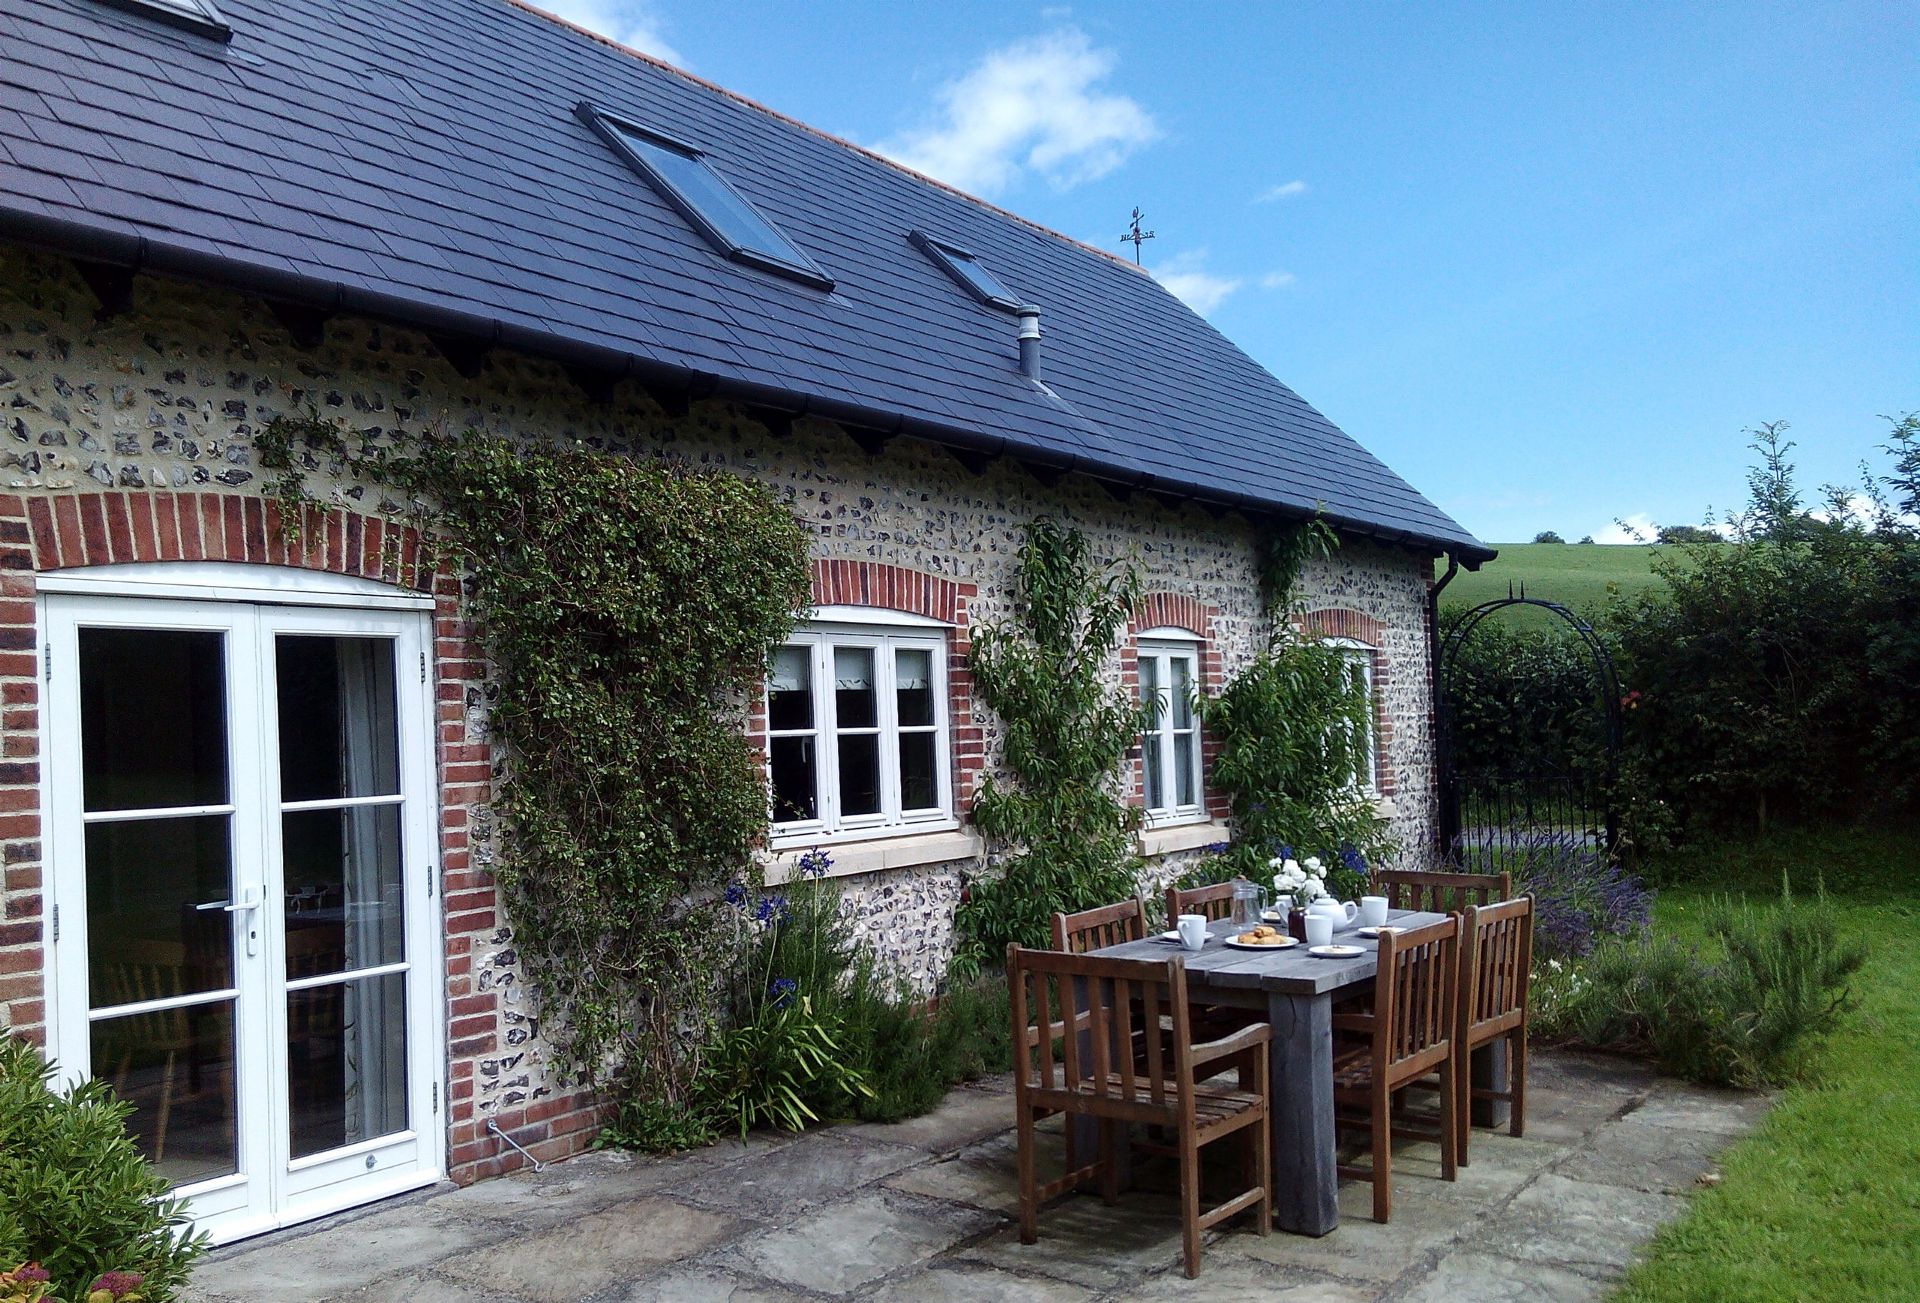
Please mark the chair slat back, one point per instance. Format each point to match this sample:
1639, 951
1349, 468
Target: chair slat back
1498, 954
1415, 993
1110, 1011
1216, 902
1096, 929
1440, 893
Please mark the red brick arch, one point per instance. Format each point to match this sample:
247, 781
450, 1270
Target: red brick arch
112, 527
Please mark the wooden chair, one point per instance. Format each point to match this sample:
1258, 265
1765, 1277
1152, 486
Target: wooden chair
140, 971
1095, 929
1440, 893
1216, 902
1496, 961
1106, 1005
1407, 1036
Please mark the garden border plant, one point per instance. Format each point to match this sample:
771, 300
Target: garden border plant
628, 607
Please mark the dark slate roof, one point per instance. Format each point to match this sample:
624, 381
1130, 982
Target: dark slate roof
420, 160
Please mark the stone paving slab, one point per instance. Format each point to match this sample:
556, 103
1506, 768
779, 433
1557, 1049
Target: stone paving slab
924, 1210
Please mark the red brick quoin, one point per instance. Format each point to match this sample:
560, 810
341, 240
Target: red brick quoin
107, 528
915, 592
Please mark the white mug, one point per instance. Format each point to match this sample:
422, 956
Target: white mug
1373, 910
1193, 930
1319, 929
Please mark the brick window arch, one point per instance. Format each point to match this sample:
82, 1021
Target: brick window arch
1369, 633
1169, 610
115, 527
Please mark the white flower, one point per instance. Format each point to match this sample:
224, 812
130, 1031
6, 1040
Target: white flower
1313, 866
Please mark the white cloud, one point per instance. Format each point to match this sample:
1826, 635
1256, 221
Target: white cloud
630, 22
1034, 106
1186, 276
1637, 528
1276, 280
1285, 190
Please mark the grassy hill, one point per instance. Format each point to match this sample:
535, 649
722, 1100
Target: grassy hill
1577, 575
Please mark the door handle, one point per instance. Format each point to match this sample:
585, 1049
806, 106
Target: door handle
248, 904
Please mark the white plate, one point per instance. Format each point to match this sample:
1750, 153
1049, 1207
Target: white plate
1272, 916
1169, 936
1337, 952
1376, 931
1282, 944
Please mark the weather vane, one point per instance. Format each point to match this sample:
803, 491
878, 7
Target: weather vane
1135, 236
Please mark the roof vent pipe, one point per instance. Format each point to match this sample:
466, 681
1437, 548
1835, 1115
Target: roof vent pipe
1030, 343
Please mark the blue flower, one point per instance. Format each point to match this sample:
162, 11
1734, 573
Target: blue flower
1350, 857
814, 864
737, 894
772, 909
1286, 851
1215, 848
781, 990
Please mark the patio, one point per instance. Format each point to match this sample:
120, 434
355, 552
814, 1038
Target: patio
922, 1210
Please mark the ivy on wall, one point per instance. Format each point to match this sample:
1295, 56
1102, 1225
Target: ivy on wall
1066, 835
628, 609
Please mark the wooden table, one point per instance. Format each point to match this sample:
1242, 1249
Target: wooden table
1297, 992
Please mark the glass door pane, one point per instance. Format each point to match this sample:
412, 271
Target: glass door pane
342, 906
161, 915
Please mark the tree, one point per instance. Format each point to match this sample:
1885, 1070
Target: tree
1548, 536
1686, 534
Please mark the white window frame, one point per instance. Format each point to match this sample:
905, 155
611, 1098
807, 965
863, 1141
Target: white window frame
1361, 656
830, 827
1162, 647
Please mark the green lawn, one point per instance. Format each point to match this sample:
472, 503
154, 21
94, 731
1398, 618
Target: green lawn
1578, 575
1823, 1202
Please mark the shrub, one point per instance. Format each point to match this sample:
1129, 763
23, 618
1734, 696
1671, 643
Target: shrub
75, 1195
1579, 895
1731, 1013
1288, 730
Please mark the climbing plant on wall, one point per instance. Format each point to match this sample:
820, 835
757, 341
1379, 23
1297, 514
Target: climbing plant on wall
628, 608
1063, 833
1289, 730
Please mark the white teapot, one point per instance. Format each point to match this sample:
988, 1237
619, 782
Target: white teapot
1340, 913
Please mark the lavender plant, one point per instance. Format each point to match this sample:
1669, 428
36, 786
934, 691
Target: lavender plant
1579, 894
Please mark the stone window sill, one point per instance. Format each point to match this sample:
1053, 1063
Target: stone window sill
886, 853
1182, 837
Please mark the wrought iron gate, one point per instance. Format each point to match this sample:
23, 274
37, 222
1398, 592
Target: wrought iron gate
1495, 799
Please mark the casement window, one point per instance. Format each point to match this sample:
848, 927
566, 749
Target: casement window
857, 741
1359, 658
1170, 763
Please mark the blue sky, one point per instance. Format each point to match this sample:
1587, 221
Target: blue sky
1547, 261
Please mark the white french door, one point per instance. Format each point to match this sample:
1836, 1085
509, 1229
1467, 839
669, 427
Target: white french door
242, 849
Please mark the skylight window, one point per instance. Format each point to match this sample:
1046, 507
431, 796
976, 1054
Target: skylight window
197, 16
967, 269
685, 179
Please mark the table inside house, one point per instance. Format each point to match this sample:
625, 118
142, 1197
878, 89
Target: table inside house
1297, 992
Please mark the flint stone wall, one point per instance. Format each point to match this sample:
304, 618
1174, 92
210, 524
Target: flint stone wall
171, 394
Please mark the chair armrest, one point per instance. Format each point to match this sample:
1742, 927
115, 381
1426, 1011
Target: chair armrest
1228, 1046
